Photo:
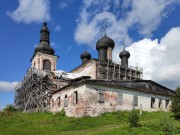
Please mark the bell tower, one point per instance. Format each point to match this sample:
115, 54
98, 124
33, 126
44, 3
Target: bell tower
43, 57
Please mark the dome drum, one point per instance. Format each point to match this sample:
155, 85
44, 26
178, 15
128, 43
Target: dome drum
85, 56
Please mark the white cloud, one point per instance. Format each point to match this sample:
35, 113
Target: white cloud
8, 86
159, 60
65, 3
57, 28
139, 15
147, 14
30, 11
53, 44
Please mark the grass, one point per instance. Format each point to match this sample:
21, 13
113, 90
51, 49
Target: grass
116, 123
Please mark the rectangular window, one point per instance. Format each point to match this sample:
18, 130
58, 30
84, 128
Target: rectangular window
135, 100
120, 98
152, 102
65, 101
167, 103
59, 101
75, 97
101, 97
160, 103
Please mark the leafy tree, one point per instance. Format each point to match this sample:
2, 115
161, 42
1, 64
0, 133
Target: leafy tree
10, 108
176, 103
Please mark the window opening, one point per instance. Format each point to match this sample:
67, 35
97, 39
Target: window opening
120, 98
101, 97
152, 102
65, 101
135, 100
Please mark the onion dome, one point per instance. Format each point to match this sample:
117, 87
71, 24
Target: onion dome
85, 54
44, 46
124, 53
104, 42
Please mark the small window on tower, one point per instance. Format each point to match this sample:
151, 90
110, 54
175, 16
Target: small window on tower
46, 65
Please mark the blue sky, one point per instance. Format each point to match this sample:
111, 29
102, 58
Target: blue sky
150, 30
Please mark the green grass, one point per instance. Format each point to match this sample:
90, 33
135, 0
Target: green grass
17, 123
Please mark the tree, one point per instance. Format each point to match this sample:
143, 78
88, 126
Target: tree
134, 118
10, 108
176, 103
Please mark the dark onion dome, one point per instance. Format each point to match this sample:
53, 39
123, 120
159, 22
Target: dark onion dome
44, 48
85, 54
44, 45
124, 53
104, 42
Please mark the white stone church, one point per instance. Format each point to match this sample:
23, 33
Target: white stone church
96, 86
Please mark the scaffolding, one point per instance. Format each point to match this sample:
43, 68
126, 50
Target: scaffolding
114, 71
34, 92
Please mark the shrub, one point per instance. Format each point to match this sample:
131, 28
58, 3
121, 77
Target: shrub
134, 118
61, 113
166, 125
10, 108
176, 103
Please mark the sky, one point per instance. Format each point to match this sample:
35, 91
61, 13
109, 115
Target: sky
150, 29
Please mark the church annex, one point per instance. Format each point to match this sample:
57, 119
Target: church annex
96, 86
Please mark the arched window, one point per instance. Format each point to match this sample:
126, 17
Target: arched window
46, 65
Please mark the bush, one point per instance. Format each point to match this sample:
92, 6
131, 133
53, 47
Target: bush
134, 118
61, 113
10, 108
176, 103
166, 125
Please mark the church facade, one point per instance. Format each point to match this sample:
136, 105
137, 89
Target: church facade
96, 86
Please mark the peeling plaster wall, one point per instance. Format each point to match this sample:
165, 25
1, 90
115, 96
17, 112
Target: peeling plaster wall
88, 69
88, 103
73, 108
94, 108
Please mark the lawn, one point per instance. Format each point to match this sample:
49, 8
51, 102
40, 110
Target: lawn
116, 123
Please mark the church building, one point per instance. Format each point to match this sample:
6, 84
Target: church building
96, 86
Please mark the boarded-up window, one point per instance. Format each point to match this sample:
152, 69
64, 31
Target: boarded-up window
101, 97
120, 98
152, 102
59, 101
75, 97
167, 103
65, 101
135, 100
